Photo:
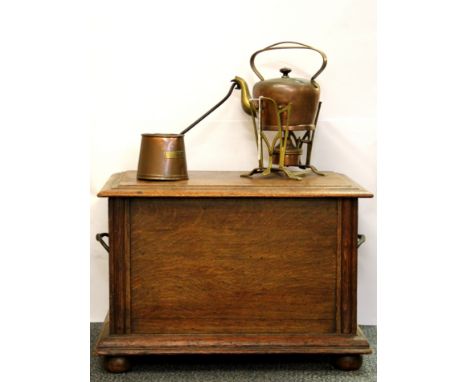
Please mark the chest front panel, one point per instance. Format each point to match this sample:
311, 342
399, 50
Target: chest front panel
233, 265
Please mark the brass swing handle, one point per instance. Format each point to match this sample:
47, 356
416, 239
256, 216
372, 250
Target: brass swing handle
298, 46
361, 239
99, 237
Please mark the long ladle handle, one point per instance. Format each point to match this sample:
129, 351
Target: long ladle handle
233, 86
298, 46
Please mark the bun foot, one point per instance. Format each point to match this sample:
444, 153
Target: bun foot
348, 362
117, 364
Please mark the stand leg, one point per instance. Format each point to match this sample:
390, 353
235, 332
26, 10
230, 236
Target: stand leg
256, 170
290, 174
348, 362
117, 364
313, 168
267, 171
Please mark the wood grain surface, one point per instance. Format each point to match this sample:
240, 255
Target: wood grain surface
119, 265
224, 266
142, 344
231, 184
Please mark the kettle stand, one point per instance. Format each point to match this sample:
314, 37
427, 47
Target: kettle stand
280, 143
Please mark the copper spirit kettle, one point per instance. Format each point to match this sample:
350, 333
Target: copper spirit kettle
302, 94
288, 106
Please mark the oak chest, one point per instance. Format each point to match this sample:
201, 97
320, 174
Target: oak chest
224, 264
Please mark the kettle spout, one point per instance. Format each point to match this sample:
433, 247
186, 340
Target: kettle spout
245, 95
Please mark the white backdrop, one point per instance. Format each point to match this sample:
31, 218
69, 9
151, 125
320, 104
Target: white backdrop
156, 68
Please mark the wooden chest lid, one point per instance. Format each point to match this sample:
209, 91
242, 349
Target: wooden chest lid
231, 184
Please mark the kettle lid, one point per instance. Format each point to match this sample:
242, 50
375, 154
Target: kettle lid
285, 79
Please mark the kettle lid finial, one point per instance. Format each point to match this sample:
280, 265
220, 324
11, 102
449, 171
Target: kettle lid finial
285, 72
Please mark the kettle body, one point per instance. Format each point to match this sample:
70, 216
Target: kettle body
300, 95
297, 92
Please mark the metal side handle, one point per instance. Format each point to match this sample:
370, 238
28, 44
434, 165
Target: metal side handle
99, 237
361, 239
